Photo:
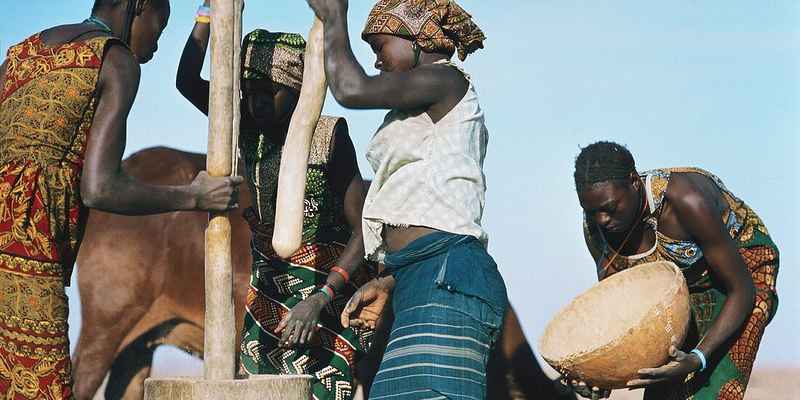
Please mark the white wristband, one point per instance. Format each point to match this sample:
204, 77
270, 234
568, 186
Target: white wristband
702, 358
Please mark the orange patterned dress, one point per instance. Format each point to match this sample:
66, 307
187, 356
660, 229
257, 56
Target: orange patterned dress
47, 104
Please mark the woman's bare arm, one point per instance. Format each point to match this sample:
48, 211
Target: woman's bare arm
104, 185
701, 219
188, 80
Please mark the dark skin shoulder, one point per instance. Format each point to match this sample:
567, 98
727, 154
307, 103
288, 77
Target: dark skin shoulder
694, 213
699, 189
436, 89
103, 183
62, 34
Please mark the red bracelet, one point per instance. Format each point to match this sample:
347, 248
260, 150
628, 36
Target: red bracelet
341, 272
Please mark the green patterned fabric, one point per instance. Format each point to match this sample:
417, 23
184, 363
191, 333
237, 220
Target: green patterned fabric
277, 285
323, 214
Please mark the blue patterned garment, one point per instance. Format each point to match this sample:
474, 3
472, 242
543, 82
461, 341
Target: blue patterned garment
448, 303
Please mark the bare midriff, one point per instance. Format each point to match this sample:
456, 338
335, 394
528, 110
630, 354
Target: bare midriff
397, 237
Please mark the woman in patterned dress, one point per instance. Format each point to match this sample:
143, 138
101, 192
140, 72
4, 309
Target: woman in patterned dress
687, 216
291, 326
65, 94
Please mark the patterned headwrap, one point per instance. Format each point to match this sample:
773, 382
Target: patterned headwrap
276, 56
434, 25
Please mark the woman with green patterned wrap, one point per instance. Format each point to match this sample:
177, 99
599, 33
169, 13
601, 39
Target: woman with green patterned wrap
291, 326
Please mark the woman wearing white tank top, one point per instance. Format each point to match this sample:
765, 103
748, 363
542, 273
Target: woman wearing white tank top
422, 214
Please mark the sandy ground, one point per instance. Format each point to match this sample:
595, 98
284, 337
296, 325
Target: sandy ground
767, 383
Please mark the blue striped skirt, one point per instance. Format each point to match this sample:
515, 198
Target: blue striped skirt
448, 304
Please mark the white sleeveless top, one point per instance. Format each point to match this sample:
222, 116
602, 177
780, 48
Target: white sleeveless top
427, 174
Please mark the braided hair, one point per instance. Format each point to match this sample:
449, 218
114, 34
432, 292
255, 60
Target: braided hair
602, 162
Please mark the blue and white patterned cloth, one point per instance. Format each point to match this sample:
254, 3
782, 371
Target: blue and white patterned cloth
448, 304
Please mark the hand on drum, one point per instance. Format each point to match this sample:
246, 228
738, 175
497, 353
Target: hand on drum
680, 364
584, 390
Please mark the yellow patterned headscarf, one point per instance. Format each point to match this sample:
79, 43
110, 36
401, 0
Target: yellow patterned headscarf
434, 25
276, 56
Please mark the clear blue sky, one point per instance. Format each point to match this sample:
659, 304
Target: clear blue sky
707, 84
